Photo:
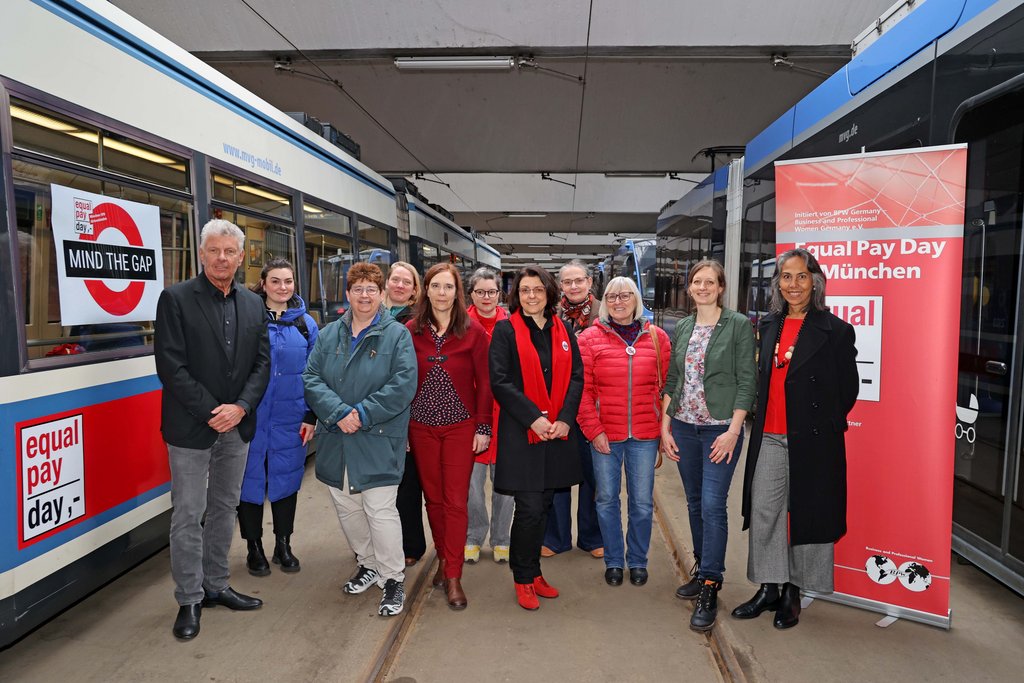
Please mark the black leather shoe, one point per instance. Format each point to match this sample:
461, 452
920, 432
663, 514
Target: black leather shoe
788, 614
186, 625
256, 560
613, 576
705, 611
232, 600
766, 598
637, 576
691, 589
283, 555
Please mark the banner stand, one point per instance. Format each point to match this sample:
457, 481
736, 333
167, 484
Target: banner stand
890, 611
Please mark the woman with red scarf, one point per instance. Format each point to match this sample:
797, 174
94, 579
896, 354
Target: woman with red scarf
537, 379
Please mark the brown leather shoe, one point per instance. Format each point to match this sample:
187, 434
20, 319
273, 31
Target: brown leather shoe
597, 553
438, 580
546, 551
456, 596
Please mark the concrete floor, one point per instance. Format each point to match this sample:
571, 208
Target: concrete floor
308, 630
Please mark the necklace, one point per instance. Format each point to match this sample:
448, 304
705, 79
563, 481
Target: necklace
783, 361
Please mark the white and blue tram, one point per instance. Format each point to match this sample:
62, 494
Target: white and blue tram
947, 71
92, 101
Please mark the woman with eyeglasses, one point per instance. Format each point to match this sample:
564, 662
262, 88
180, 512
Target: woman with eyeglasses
360, 380
710, 389
625, 359
485, 293
577, 308
401, 290
451, 416
537, 378
794, 485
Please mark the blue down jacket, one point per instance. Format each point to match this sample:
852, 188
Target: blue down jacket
277, 457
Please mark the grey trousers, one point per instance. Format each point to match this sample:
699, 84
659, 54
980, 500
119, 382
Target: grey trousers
373, 529
502, 507
771, 559
204, 480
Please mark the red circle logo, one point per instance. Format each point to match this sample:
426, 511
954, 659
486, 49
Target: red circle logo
112, 216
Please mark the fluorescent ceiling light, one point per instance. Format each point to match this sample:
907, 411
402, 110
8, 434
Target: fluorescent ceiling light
455, 63
524, 214
634, 174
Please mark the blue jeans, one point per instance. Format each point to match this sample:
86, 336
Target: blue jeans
558, 532
707, 491
639, 458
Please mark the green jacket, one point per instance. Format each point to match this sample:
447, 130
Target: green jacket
378, 379
730, 376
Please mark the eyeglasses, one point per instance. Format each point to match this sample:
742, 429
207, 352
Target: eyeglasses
485, 293
369, 291
618, 296
536, 291
578, 282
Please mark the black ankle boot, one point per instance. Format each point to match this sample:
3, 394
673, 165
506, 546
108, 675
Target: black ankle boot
283, 555
788, 614
691, 589
766, 599
257, 559
706, 610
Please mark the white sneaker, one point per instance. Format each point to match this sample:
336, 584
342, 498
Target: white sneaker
501, 553
392, 599
363, 579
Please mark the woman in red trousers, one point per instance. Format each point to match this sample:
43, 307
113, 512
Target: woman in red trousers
451, 416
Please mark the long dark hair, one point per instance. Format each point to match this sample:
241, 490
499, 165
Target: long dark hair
272, 264
423, 314
550, 288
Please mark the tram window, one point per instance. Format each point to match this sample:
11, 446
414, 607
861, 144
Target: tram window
328, 258
264, 240
44, 330
254, 196
372, 236
39, 130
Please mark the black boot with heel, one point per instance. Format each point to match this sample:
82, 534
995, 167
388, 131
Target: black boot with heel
766, 599
283, 555
256, 561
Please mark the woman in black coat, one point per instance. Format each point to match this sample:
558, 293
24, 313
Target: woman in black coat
796, 462
537, 379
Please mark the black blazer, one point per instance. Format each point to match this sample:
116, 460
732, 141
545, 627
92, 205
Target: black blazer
821, 389
522, 466
192, 363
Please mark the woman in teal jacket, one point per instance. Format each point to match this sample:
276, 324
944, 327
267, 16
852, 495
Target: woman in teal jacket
360, 381
711, 386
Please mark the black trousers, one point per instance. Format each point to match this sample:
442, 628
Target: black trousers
410, 510
528, 523
250, 517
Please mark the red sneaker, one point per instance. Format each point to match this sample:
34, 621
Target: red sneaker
544, 589
527, 596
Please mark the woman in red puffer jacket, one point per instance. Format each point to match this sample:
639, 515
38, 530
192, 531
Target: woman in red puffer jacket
620, 416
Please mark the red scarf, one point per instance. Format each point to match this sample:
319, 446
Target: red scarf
533, 376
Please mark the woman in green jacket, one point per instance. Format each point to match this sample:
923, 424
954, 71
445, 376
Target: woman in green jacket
711, 385
360, 381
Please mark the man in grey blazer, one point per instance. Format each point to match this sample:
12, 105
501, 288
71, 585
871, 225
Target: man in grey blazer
212, 356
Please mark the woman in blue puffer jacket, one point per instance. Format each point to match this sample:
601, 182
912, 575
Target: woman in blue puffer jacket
284, 423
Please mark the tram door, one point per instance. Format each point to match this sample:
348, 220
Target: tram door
988, 498
38, 268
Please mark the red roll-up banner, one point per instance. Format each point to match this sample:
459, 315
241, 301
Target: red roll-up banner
887, 229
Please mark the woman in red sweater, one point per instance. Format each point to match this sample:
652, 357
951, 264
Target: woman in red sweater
485, 290
451, 416
620, 416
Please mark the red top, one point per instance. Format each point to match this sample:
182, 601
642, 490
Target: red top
490, 456
775, 413
465, 362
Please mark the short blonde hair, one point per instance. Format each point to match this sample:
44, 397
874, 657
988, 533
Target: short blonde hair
416, 287
618, 284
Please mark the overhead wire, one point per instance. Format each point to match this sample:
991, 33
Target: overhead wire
323, 75
579, 127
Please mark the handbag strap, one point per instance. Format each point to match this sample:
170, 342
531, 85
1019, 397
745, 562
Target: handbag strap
657, 355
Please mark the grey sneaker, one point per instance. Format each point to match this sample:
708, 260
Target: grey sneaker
363, 579
392, 600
